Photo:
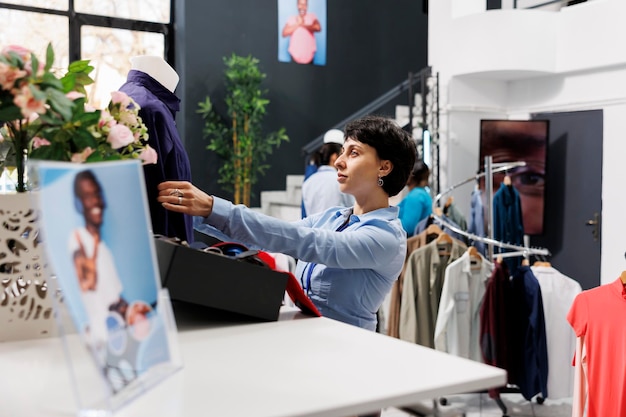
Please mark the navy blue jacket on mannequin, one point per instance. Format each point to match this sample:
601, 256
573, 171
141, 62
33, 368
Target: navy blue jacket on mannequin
158, 109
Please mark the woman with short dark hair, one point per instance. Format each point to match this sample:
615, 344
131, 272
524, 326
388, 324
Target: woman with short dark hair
348, 257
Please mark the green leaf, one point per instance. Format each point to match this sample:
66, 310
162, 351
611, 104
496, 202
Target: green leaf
34, 64
49, 57
60, 103
80, 66
53, 152
83, 139
10, 113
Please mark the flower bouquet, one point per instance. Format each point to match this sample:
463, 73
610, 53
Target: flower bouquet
43, 116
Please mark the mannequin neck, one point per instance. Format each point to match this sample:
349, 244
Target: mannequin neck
157, 68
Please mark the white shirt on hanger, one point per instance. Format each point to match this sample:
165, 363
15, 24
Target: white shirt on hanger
558, 292
458, 320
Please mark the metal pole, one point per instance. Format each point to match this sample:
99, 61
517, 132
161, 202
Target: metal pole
489, 203
436, 98
411, 103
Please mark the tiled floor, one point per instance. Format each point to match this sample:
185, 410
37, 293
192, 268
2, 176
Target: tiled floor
480, 405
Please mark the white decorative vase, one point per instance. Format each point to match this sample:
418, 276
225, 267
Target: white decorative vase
27, 302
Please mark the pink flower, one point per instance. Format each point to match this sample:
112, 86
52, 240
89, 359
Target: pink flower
74, 95
8, 75
148, 155
119, 97
37, 142
128, 118
27, 103
106, 120
19, 50
24, 55
120, 136
82, 156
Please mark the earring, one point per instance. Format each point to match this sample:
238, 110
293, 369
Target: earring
380, 181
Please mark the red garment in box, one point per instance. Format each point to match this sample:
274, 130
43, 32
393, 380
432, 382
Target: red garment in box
294, 290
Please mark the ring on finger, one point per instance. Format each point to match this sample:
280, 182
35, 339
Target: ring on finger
176, 192
180, 200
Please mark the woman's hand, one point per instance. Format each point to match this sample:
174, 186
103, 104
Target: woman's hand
184, 197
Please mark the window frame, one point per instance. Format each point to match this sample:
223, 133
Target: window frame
77, 20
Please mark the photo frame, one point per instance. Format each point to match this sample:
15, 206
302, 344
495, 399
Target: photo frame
96, 231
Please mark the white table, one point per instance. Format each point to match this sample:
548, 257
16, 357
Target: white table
297, 366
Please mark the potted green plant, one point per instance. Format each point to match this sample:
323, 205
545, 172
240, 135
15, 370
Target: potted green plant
238, 137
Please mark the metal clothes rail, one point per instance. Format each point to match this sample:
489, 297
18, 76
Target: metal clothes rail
490, 168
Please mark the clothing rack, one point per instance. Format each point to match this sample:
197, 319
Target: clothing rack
525, 251
490, 168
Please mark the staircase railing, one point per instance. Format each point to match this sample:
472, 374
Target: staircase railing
428, 121
405, 86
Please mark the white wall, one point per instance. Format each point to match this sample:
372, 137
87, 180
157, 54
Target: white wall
613, 193
509, 63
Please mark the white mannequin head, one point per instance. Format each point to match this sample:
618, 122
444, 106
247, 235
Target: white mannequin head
157, 68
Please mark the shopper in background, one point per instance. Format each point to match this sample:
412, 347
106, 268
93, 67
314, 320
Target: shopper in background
321, 190
348, 258
417, 204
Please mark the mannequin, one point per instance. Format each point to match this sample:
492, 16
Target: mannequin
151, 83
157, 68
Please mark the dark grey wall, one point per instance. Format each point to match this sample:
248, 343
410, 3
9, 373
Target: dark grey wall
371, 47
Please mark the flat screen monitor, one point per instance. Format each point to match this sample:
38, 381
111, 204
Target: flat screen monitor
513, 141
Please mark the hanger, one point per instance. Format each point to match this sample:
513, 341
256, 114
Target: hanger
433, 229
444, 238
623, 277
446, 207
475, 259
473, 252
542, 263
525, 262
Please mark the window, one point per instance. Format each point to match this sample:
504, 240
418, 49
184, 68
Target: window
50, 4
109, 51
149, 10
35, 35
107, 32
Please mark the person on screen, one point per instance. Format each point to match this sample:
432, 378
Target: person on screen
94, 264
513, 141
301, 30
348, 257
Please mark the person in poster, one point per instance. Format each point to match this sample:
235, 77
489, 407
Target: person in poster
301, 28
301, 38
97, 274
